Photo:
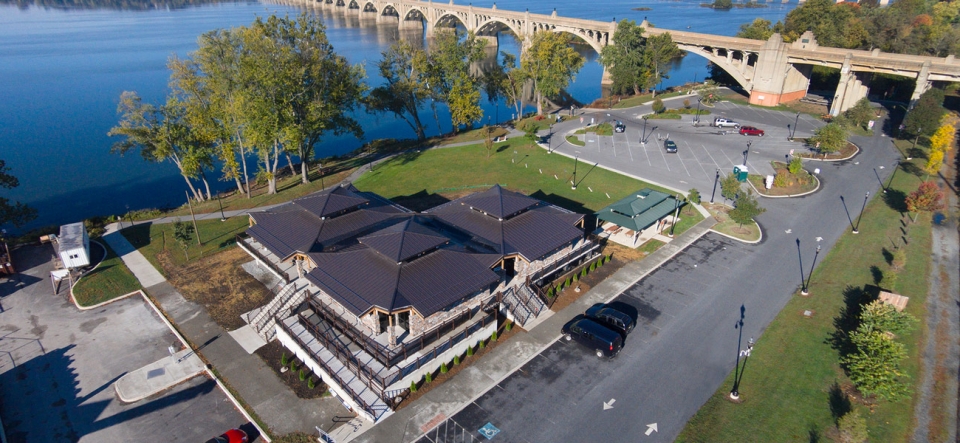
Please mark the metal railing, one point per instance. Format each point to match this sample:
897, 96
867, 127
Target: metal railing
263, 259
274, 307
520, 311
344, 355
343, 384
551, 266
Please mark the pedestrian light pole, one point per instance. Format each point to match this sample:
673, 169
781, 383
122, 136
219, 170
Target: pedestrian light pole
738, 371
676, 214
746, 153
793, 131
805, 289
856, 229
222, 217
915, 140
696, 121
715, 181
643, 138
893, 174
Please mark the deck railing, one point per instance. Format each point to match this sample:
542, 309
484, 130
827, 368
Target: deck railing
263, 259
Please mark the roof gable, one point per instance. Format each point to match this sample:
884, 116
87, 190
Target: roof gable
499, 202
326, 204
403, 240
637, 202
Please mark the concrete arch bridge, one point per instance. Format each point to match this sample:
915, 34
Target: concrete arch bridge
771, 71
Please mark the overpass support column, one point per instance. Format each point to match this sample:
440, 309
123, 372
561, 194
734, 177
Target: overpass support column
923, 84
849, 91
774, 80
606, 79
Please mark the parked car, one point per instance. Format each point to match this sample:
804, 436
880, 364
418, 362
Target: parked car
750, 130
605, 342
670, 146
724, 123
619, 127
231, 436
611, 318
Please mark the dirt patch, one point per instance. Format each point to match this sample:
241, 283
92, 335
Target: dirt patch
219, 284
439, 378
272, 354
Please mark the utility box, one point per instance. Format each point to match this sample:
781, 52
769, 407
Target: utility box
740, 171
73, 245
768, 183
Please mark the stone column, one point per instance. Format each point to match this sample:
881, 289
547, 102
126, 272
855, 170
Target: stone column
923, 84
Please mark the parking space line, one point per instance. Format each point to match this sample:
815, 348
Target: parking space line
683, 164
698, 160
664, 157
711, 156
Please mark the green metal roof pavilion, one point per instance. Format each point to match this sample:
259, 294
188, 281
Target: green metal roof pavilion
639, 210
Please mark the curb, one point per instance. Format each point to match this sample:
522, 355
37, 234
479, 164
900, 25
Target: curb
836, 159
819, 184
740, 239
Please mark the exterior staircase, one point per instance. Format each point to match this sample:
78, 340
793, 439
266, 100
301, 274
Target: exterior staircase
264, 322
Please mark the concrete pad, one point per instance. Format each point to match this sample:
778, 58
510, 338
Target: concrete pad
248, 338
159, 376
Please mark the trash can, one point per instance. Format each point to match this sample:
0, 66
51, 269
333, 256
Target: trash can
740, 172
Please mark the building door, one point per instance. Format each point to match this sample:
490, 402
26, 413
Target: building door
508, 266
384, 321
403, 320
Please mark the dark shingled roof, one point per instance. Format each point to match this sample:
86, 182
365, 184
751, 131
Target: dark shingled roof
360, 278
403, 240
537, 230
499, 202
324, 204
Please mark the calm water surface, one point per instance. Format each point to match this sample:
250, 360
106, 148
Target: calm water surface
62, 72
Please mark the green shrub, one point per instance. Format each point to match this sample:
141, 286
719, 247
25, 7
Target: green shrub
428, 378
780, 180
550, 293
568, 282
576, 277
470, 351
686, 103
593, 266
493, 337
456, 360
284, 360
413, 386
302, 375
311, 383
583, 272
508, 326
795, 166
482, 344
443, 368
853, 428
658, 106
293, 365
694, 196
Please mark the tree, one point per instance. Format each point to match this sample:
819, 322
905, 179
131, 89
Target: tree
722, 4
658, 106
874, 367
746, 208
624, 59
15, 213
446, 69
886, 318
709, 94
934, 162
729, 187
829, 138
694, 196
925, 116
183, 235
512, 83
759, 29
404, 91
943, 139
659, 50
853, 428
795, 165
551, 63
160, 133
860, 113
926, 198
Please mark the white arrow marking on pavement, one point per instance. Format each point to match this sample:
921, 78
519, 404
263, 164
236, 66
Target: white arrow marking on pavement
609, 405
788, 231
819, 238
651, 428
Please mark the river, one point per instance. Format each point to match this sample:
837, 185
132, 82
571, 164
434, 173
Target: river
62, 70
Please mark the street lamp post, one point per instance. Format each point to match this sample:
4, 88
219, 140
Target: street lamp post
806, 284
696, 120
643, 137
222, 217
715, 181
856, 229
738, 372
575, 161
746, 153
893, 174
793, 132
676, 215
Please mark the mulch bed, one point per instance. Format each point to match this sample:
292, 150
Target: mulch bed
272, 353
846, 152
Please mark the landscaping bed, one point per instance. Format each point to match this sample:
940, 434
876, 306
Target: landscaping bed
273, 353
111, 279
849, 150
749, 232
219, 284
785, 183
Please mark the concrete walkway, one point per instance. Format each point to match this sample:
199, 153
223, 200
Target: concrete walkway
936, 409
249, 377
447, 399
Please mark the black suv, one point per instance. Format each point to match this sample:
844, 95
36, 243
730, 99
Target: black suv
611, 318
604, 342
619, 127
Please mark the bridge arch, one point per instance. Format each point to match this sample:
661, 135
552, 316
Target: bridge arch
733, 62
450, 19
493, 25
585, 36
415, 13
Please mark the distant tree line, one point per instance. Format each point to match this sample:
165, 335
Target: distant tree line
121, 5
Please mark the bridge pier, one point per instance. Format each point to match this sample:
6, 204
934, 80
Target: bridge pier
923, 84
849, 91
490, 41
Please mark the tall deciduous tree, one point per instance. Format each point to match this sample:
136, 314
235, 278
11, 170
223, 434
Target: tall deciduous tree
746, 208
759, 29
447, 69
551, 63
15, 213
404, 90
624, 59
860, 113
160, 133
926, 198
513, 83
925, 116
659, 50
829, 138
729, 187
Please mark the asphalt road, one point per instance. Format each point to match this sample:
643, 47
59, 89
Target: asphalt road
688, 309
58, 366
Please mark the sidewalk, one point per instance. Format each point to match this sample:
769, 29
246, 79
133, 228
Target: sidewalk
251, 380
409, 423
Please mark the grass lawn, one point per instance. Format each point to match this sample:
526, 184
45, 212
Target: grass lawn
573, 140
794, 380
601, 129
108, 281
153, 239
749, 232
426, 179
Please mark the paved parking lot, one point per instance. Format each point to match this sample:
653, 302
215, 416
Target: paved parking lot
701, 149
537, 402
58, 366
